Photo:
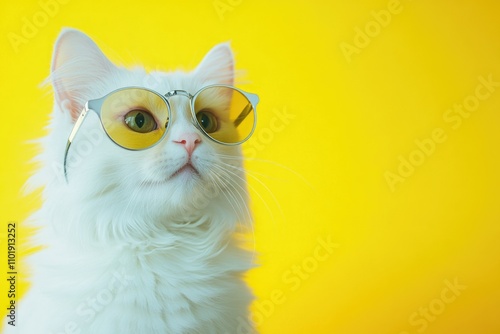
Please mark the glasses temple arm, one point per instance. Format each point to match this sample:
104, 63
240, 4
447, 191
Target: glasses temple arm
72, 135
241, 117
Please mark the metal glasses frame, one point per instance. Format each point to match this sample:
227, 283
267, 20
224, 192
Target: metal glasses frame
96, 105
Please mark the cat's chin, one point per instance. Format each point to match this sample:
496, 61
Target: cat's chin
188, 171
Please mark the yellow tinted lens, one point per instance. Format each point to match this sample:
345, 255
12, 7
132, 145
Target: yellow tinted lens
225, 114
134, 118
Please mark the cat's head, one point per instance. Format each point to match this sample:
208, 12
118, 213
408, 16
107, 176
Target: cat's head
184, 176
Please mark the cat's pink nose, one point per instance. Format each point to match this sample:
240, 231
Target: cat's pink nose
189, 140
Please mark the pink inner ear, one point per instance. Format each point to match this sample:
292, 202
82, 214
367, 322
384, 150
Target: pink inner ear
231, 79
77, 65
66, 105
64, 98
218, 65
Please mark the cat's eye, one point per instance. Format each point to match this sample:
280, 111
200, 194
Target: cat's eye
207, 120
225, 114
140, 121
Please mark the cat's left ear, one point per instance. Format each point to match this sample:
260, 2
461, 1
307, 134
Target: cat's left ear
217, 66
78, 65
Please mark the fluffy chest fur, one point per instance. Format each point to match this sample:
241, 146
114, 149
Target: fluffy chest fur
183, 286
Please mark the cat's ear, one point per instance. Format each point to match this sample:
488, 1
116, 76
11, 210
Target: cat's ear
218, 65
77, 65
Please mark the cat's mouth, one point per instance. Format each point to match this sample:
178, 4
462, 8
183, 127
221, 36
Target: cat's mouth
187, 168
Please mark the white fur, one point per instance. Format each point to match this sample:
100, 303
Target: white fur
128, 250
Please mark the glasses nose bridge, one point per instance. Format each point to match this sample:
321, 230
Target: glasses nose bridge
184, 93
176, 92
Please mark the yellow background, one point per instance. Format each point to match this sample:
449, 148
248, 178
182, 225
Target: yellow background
320, 174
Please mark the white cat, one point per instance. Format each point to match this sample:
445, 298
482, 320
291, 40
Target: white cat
137, 241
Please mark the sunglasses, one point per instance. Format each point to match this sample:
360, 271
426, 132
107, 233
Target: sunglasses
138, 118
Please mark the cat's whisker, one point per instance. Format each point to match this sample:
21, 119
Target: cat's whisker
262, 184
257, 193
232, 199
276, 164
248, 222
227, 182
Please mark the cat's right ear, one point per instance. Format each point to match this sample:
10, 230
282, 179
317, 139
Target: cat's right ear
77, 65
